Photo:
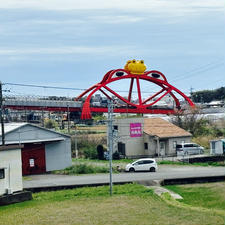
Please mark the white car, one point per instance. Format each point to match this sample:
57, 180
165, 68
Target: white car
189, 149
146, 164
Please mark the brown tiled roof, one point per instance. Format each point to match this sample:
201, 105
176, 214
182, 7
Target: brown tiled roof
162, 128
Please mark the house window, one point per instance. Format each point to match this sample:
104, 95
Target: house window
146, 145
174, 144
115, 127
2, 173
121, 148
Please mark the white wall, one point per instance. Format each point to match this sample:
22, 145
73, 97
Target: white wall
11, 159
152, 145
134, 146
58, 155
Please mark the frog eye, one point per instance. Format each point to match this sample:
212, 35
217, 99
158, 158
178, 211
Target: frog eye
119, 74
142, 61
129, 61
133, 61
155, 75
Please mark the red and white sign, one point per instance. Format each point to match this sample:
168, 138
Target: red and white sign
31, 162
135, 130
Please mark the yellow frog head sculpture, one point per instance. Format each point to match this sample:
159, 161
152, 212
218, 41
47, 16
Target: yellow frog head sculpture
135, 66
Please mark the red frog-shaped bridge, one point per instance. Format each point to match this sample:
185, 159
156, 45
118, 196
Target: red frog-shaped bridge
134, 71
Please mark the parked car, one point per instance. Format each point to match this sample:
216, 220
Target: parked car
189, 149
147, 164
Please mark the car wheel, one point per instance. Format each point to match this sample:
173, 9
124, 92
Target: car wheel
131, 169
152, 169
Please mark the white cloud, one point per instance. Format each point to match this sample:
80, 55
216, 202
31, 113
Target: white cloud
115, 19
136, 5
66, 50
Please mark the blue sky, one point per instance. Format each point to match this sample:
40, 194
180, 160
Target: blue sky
73, 43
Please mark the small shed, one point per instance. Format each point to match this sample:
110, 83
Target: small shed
10, 169
217, 147
43, 149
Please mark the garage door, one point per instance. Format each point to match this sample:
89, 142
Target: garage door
33, 159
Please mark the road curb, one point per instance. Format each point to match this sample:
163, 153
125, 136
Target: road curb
191, 180
71, 186
147, 182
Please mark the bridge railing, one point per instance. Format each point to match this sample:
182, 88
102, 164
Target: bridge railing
42, 103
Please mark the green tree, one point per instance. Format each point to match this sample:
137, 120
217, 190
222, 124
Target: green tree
48, 123
192, 121
209, 95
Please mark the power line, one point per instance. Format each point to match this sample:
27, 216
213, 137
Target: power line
202, 68
44, 86
66, 88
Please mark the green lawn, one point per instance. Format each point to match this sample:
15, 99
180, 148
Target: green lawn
130, 204
210, 195
167, 162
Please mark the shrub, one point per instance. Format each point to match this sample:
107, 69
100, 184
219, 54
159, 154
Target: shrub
100, 151
203, 140
87, 146
48, 123
82, 169
90, 152
116, 155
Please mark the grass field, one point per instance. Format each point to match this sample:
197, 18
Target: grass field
166, 162
210, 195
101, 128
130, 204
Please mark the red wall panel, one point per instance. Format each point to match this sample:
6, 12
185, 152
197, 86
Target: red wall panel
33, 159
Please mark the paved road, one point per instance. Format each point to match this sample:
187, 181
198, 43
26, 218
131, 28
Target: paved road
164, 172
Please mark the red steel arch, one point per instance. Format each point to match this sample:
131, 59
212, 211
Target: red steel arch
152, 76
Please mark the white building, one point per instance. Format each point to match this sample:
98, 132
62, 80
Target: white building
143, 137
10, 169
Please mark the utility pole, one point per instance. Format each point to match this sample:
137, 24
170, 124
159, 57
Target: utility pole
68, 118
2, 115
42, 118
75, 142
110, 141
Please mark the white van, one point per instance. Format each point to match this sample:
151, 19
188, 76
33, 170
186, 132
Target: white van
189, 149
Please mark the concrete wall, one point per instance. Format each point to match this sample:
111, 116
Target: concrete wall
58, 155
171, 150
152, 145
11, 159
134, 146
